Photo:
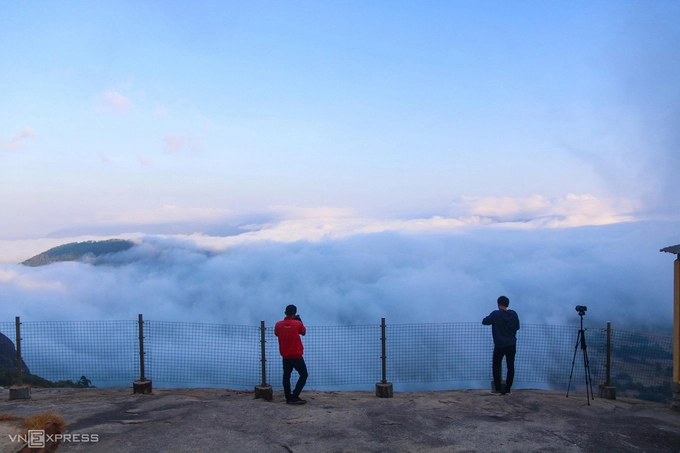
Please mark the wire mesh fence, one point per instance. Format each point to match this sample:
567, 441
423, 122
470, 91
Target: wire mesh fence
180, 353
642, 364
7, 353
8, 329
103, 351
335, 356
461, 352
418, 356
438, 352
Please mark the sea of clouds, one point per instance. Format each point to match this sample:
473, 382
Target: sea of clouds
343, 279
343, 270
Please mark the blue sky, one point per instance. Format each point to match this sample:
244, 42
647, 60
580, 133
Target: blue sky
143, 112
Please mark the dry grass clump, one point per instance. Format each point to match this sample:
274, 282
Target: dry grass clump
39, 421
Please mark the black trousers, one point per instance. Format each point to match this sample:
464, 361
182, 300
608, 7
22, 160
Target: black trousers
288, 366
509, 353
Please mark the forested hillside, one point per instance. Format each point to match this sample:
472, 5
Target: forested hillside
76, 250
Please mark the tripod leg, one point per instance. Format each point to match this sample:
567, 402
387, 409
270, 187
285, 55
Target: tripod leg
589, 379
578, 341
586, 372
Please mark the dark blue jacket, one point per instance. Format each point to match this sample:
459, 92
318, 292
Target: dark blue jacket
504, 326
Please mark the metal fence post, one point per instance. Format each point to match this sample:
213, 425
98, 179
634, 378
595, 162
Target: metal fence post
18, 390
384, 355
143, 385
263, 390
262, 352
140, 323
383, 389
608, 381
19, 359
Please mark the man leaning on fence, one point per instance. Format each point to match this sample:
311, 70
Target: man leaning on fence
288, 332
504, 325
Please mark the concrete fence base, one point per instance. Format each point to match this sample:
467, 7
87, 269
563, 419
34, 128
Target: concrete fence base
142, 387
265, 392
19, 392
384, 390
675, 400
606, 392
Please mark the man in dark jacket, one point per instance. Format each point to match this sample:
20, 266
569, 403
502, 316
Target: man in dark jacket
504, 325
288, 332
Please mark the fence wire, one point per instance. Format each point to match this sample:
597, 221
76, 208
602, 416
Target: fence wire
105, 351
179, 354
642, 365
438, 352
8, 354
554, 354
463, 351
335, 356
199, 354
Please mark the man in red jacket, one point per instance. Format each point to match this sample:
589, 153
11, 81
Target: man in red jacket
290, 346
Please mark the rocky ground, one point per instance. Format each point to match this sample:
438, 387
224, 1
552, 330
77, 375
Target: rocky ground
218, 420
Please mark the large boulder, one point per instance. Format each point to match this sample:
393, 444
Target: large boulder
8, 355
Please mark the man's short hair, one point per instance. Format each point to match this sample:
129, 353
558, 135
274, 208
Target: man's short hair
503, 301
291, 310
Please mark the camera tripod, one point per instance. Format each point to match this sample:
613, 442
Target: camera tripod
581, 339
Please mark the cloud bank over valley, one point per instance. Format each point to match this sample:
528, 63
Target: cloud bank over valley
339, 271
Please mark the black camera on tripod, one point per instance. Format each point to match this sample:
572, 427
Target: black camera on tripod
581, 341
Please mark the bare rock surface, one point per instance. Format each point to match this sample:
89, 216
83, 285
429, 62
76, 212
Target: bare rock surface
220, 420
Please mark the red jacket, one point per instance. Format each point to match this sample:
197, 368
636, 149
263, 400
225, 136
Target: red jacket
289, 331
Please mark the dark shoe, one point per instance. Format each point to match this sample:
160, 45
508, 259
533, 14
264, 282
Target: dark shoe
296, 400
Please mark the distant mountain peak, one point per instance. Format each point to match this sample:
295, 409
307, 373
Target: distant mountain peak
75, 251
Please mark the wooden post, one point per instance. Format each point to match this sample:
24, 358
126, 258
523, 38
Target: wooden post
676, 322
263, 390
143, 385
606, 390
675, 385
675, 402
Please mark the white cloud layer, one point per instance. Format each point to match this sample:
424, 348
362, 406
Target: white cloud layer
222, 228
569, 211
616, 270
538, 212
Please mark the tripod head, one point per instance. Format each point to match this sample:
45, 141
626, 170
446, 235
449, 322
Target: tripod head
581, 309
